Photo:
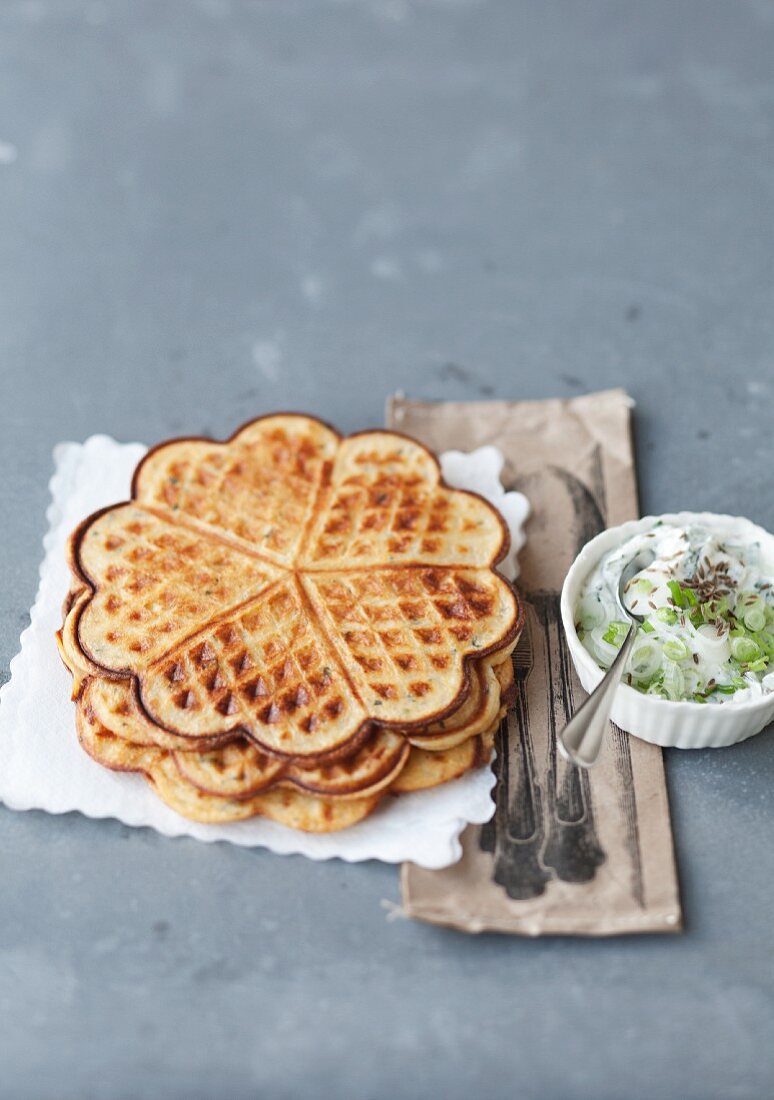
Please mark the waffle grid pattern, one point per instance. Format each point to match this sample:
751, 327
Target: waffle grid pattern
306, 655
161, 581
266, 670
263, 492
397, 630
390, 508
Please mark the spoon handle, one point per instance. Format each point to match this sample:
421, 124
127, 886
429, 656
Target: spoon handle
581, 739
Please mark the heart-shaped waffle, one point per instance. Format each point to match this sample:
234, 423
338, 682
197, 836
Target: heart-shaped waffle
293, 587
296, 809
239, 768
220, 786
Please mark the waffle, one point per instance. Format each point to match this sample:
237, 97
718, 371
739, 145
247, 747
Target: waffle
116, 734
115, 705
431, 769
290, 624
293, 587
234, 769
177, 780
73, 659
240, 769
287, 807
474, 716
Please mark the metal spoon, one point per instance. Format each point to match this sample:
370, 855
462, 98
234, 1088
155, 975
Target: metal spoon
581, 739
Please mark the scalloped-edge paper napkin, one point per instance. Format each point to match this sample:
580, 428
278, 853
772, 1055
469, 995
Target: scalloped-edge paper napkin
42, 766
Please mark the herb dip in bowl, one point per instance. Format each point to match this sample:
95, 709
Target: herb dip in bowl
701, 671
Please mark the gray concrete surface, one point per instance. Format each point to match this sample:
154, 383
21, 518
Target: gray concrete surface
211, 209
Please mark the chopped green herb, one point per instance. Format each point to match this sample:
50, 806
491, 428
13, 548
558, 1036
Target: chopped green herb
683, 597
677, 593
690, 597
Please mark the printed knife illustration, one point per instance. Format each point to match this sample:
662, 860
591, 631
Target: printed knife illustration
535, 838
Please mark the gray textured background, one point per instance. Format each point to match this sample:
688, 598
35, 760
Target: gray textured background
210, 210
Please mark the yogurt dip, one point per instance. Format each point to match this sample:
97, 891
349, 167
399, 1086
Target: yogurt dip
708, 633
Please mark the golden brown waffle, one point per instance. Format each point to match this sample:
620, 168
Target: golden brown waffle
293, 587
503, 670
71, 656
431, 769
476, 714
113, 700
290, 624
298, 809
287, 807
114, 703
240, 769
260, 489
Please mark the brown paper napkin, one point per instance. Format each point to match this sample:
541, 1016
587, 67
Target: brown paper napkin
568, 850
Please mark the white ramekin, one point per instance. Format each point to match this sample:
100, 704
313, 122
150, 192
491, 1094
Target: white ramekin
684, 725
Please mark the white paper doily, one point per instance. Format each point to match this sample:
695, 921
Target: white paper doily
43, 767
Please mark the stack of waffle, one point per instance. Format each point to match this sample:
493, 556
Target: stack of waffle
290, 624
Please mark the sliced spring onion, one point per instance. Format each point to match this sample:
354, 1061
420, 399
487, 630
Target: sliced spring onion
744, 650
755, 619
674, 681
590, 612
715, 609
667, 615
710, 645
616, 632
675, 649
603, 652
655, 686
645, 659
766, 642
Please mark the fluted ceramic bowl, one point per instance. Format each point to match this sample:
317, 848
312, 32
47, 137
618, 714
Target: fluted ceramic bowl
685, 724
